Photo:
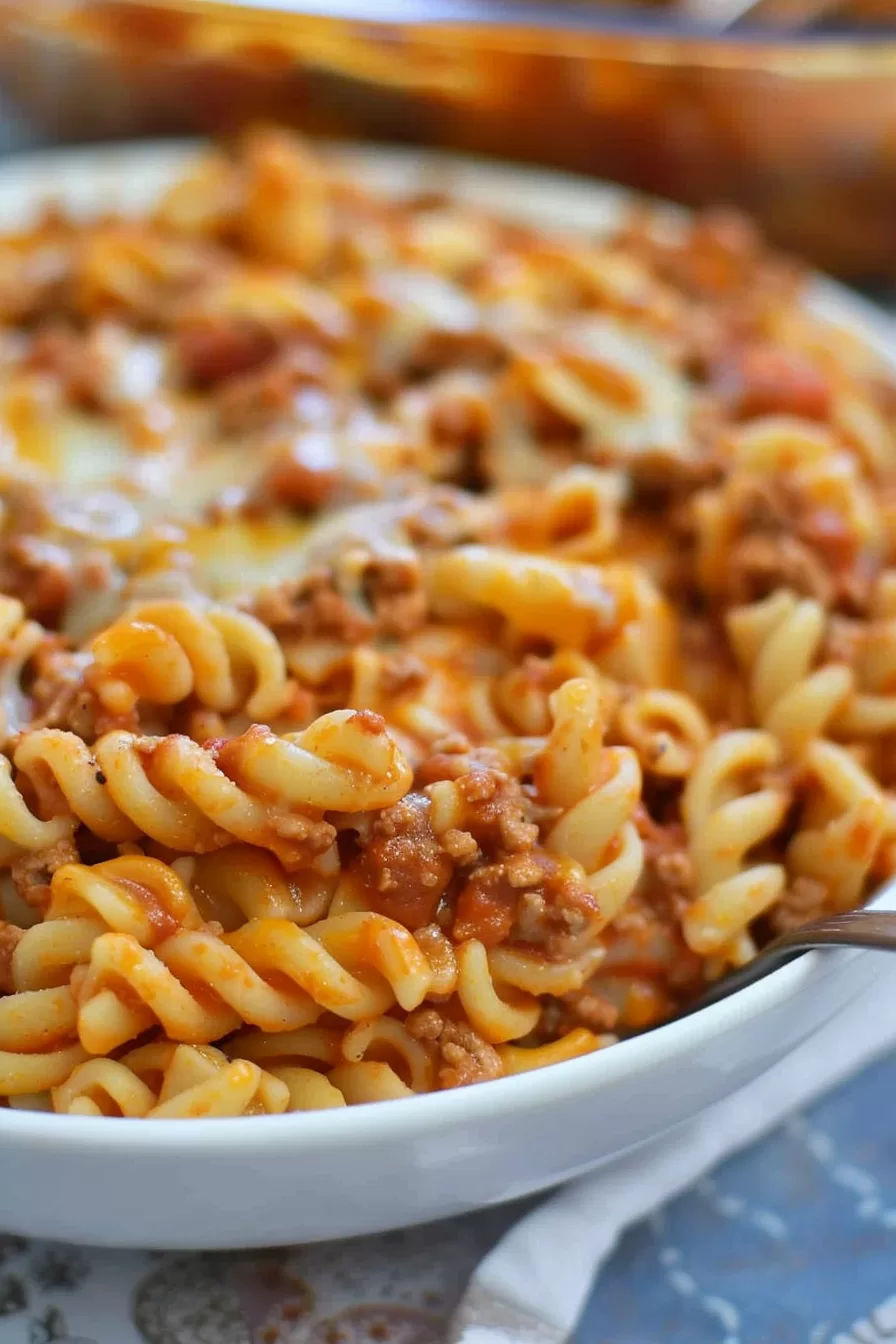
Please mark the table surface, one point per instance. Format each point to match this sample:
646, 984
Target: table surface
791, 1242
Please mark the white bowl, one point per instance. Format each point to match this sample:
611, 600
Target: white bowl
208, 1184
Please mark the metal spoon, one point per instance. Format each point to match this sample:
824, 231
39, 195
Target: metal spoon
875, 929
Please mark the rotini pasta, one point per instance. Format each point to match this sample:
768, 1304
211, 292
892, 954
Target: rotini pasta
132, 895
182, 796
776, 641
726, 818
164, 652
429, 650
665, 728
165, 1081
598, 789
844, 824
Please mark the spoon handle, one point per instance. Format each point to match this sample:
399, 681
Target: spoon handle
855, 928
874, 929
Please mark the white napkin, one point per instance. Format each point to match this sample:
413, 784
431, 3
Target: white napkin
534, 1284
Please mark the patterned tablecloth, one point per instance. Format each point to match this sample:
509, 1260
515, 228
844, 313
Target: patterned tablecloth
792, 1242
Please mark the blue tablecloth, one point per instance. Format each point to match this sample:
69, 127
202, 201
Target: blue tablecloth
792, 1242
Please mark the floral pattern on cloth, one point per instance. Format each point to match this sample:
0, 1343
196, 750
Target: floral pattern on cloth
793, 1241
399, 1288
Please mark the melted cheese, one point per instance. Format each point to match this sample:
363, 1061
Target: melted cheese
237, 555
81, 455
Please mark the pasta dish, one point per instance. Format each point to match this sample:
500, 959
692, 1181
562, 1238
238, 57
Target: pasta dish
431, 648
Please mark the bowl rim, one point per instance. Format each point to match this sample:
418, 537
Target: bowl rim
589, 203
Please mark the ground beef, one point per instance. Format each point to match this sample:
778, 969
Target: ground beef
86, 365
668, 867
33, 283
439, 951
391, 602
314, 837
486, 908
496, 812
212, 350
464, 1057
10, 936
64, 354
39, 573
304, 475
394, 588
403, 672
761, 564
461, 422
528, 899
721, 260
273, 392
460, 845
676, 872
313, 606
27, 507
557, 916
453, 757
59, 697
585, 1008
425, 1024
783, 539
31, 873
404, 869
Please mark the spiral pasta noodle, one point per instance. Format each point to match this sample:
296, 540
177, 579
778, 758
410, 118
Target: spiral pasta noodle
500, 989
38, 1040
165, 1081
870, 712
173, 791
776, 641
242, 882
576, 517
666, 728
164, 652
598, 789
325, 1068
725, 820
134, 895
844, 825
313, 970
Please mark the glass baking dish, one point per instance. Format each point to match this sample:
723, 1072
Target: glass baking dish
800, 132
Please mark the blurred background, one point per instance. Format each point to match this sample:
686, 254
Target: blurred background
786, 108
